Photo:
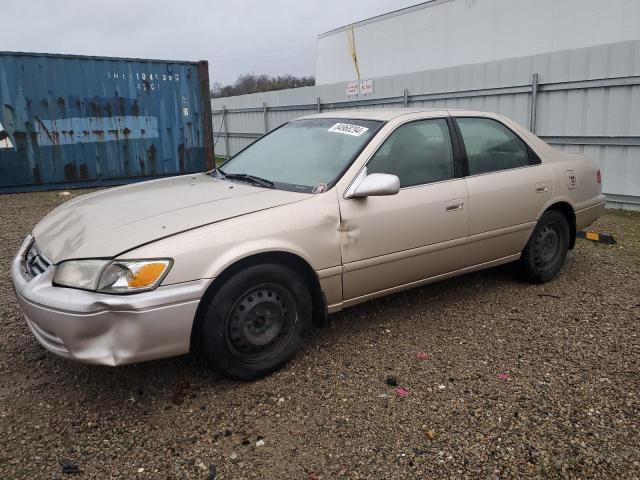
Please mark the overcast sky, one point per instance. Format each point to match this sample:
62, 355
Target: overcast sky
236, 36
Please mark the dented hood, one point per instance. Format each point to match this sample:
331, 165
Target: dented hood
109, 222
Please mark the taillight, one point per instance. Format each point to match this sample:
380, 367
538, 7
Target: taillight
599, 177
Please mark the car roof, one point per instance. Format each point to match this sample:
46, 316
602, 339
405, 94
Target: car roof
386, 114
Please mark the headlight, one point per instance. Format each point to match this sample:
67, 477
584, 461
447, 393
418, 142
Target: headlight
112, 276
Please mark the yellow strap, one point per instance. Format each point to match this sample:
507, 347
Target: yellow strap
352, 48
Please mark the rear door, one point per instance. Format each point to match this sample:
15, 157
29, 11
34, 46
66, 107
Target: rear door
508, 186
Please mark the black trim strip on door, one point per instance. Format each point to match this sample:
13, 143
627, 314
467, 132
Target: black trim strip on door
461, 160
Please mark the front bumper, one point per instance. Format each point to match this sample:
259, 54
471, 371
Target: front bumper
106, 329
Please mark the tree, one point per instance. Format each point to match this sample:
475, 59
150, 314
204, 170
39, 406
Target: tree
252, 83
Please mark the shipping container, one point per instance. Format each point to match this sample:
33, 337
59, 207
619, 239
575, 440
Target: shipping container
76, 121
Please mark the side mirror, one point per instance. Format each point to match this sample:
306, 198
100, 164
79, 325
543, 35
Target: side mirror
375, 184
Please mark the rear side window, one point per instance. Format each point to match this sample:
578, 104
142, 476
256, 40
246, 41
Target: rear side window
491, 146
417, 153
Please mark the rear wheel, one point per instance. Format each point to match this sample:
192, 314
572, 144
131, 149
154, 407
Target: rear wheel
546, 251
256, 321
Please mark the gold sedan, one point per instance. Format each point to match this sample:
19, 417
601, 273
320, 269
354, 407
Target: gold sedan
325, 212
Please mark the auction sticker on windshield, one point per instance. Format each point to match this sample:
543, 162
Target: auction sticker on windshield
348, 129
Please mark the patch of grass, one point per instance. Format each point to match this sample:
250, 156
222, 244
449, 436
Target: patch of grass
220, 160
624, 215
625, 228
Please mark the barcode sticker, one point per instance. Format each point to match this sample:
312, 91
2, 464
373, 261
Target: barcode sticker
348, 129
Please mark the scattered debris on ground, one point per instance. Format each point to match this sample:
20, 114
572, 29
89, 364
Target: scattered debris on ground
401, 391
571, 408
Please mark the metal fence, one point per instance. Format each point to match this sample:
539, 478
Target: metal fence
585, 100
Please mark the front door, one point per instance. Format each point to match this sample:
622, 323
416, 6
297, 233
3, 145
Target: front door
394, 241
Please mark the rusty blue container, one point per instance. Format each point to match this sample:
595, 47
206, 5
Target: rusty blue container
74, 121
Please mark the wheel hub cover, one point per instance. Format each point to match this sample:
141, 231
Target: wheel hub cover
260, 320
263, 323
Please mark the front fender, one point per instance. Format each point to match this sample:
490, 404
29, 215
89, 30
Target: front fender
308, 229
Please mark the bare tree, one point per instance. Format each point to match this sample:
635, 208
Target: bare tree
252, 83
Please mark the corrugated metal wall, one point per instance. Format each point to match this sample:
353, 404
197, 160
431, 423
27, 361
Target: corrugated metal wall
587, 100
448, 33
69, 121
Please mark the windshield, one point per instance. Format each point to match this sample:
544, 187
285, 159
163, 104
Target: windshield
304, 155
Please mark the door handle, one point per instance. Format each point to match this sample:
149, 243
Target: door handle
454, 205
541, 188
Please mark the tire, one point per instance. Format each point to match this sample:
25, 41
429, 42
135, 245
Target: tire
256, 321
547, 248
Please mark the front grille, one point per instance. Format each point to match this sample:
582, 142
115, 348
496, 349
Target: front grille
35, 262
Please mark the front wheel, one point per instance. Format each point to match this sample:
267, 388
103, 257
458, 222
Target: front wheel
547, 248
256, 321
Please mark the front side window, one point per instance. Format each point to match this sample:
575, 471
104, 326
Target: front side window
304, 154
491, 146
417, 153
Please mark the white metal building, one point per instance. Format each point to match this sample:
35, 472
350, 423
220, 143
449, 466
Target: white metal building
569, 70
445, 33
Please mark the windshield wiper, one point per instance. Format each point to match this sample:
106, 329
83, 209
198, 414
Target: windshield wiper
245, 177
216, 173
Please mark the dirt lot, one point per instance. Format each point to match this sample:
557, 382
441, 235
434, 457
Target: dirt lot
519, 380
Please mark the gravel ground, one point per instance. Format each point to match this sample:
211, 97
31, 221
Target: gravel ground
519, 380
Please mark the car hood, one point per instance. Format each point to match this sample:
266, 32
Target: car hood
110, 222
